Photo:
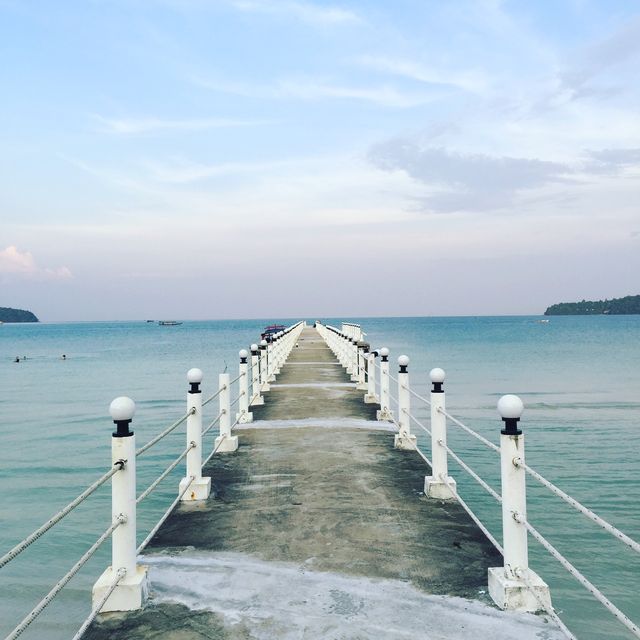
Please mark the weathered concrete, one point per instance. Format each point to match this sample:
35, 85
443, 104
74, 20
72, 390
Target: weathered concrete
323, 389
318, 532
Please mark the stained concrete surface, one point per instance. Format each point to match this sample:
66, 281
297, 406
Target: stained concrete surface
338, 502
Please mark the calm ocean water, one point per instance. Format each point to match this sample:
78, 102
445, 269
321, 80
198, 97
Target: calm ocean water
578, 376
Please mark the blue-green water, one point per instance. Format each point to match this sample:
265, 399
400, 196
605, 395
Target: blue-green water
578, 376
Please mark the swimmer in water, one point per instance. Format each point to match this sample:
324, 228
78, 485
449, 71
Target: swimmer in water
17, 359
64, 357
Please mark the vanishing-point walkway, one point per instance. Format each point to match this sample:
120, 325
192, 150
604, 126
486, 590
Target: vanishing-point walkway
318, 528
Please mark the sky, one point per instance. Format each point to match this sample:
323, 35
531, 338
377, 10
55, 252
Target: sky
202, 159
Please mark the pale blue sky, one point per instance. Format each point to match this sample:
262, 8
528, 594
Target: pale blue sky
380, 158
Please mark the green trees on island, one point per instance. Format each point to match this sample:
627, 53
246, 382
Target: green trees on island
616, 306
7, 314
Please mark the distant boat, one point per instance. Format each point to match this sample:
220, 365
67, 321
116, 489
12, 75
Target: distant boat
268, 332
168, 323
543, 321
150, 320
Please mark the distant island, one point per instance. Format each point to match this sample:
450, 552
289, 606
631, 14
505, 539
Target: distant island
7, 314
615, 307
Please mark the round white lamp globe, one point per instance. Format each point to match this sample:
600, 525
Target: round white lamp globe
122, 408
510, 406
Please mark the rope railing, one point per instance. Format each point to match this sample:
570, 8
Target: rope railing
163, 434
470, 431
214, 396
549, 610
423, 456
32, 537
120, 573
462, 463
595, 592
417, 395
351, 358
165, 473
125, 454
471, 514
39, 608
162, 520
212, 423
580, 507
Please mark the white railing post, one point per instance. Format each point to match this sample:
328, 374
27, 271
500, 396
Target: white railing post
353, 359
198, 487
271, 362
244, 415
404, 439
371, 397
363, 350
256, 398
264, 367
508, 584
225, 442
439, 484
132, 590
384, 413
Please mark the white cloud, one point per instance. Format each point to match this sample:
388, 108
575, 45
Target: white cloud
304, 11
14, 262
467, 182
471, 81
320, 89
147, 125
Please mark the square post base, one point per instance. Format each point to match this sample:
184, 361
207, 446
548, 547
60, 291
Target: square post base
371, 399
384, 415
362, 386
436, 488
130, 594
227, 445
198, 489
354, 378
271, 378
257, 402
265, 387
404, 442
244, 418
514, 595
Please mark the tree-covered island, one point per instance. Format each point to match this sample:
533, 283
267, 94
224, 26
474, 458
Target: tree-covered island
615, 307
7, 314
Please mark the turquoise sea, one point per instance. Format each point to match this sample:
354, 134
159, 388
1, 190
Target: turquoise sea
579, 378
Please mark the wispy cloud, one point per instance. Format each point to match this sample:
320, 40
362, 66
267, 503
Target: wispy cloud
612, 51
472, 81
17, 263
131, 126
612, 161
467, 182
312, 89
320, 15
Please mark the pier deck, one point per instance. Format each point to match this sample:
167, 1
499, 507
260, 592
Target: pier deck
318, 528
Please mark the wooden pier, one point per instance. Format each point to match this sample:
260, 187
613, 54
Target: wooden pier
317, 527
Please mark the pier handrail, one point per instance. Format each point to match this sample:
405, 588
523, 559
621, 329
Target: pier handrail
163, 433
55, 590
32, 537
349, 353
122, 410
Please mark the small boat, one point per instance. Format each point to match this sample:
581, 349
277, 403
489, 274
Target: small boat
269, 331
543, 321
168, 323
150, 320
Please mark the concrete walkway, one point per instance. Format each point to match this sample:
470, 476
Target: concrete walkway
317, 528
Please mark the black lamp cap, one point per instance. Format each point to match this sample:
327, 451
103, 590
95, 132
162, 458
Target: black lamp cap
122, 429
511, 427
